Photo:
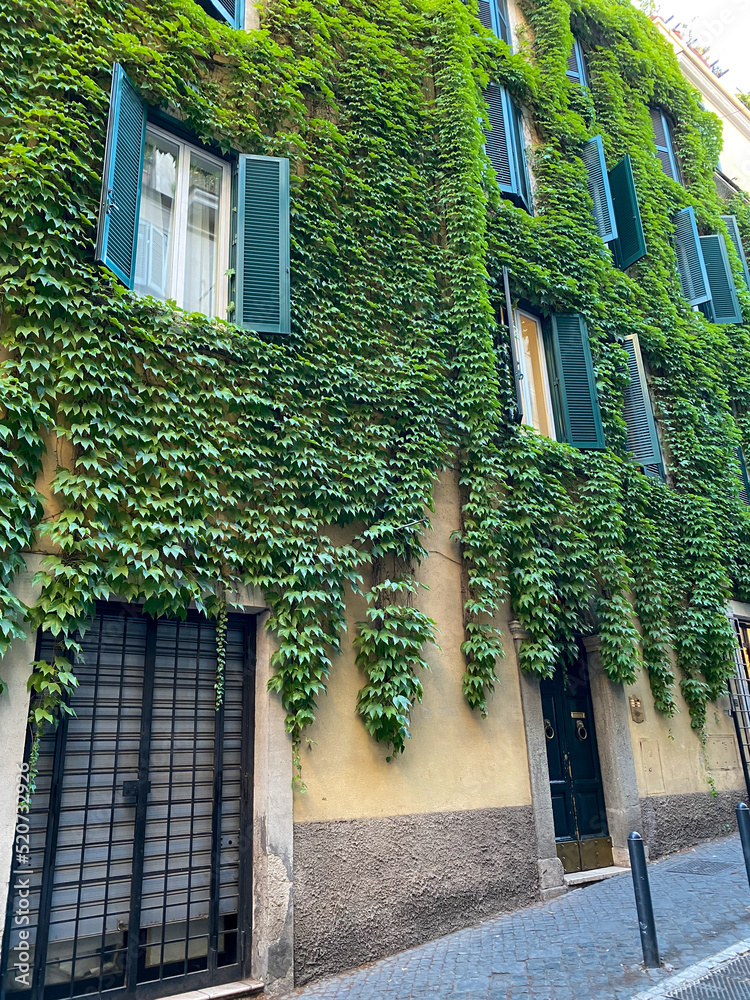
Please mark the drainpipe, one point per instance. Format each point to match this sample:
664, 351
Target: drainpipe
551, 880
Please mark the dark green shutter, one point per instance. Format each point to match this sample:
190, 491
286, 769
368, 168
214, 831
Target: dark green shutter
630, 244
598, 185
742, 476
575, 382
504, 145
262, 254
664, 144
230, 11
724, 306
643, 441
690, 265
121, 180
576, 70
730, 221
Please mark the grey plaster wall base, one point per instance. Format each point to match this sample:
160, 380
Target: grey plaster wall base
674, 822
371, 887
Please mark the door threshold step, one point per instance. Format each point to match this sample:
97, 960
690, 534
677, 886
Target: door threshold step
576, 879
227, 991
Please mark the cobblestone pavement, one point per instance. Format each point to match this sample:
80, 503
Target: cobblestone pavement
581, 946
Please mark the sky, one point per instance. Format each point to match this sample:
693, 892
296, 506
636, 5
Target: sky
723, 25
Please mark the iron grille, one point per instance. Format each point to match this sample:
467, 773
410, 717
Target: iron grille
140, 826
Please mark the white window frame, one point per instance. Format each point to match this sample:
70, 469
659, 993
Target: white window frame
544, 393
177, 289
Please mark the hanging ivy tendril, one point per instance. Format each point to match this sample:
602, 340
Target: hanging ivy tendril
221, 654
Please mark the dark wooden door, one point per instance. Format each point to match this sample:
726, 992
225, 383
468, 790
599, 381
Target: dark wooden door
574, 771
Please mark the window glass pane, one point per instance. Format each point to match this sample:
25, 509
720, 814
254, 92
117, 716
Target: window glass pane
153, 262
201, 246
534, 383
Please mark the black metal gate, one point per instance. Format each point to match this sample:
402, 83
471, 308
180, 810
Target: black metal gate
140, 829
739, 693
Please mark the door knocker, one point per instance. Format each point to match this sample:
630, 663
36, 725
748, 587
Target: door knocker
581, 731
549, 732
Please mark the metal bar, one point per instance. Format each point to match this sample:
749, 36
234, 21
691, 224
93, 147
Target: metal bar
213, 921
646, 923
50, 851
734, 701
513, 353
245, 907
139, 829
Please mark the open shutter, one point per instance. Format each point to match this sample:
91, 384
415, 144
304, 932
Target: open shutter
262, 256
494, 15
724, 306
730, 221
522, 173
578, 397
643, 441
664, 145
598, 185
742, 476
230, 11
630, 244
576, 66
121, 180
693, 277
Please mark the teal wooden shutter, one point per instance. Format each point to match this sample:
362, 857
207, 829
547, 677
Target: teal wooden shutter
575, 382
494, 15
742, 476
523, 185
723, 306
504, 145
664, 144
730, 221
598, 185
643, 441
231, 11
690, 265
576, 70
262, 253
121, 181
630, 244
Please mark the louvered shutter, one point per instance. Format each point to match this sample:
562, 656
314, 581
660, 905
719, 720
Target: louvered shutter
494, 15
742, 476
499, 141
575, 382
576, 66
730, 221
522, 172
262, 255
690, 265
121, 180
664, 145
598, 185
724, 306
630, 244
643, 441
230, 11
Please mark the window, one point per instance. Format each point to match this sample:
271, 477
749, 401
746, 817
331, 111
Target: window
664, 145
231, 11
705, 272
616, 211
535, 388
576, 70
643, 441
505, 146
494, 15
182, 245
164, 220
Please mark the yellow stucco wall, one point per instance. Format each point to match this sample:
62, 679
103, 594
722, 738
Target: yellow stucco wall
669, 758
455, 760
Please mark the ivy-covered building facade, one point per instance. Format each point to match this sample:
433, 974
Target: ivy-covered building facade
374, 516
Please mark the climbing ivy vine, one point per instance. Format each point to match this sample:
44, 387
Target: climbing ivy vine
191, 459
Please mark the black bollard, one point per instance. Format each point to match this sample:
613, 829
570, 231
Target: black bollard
646, 923
743, 825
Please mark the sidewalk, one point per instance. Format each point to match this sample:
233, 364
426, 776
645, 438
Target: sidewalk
581, 946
